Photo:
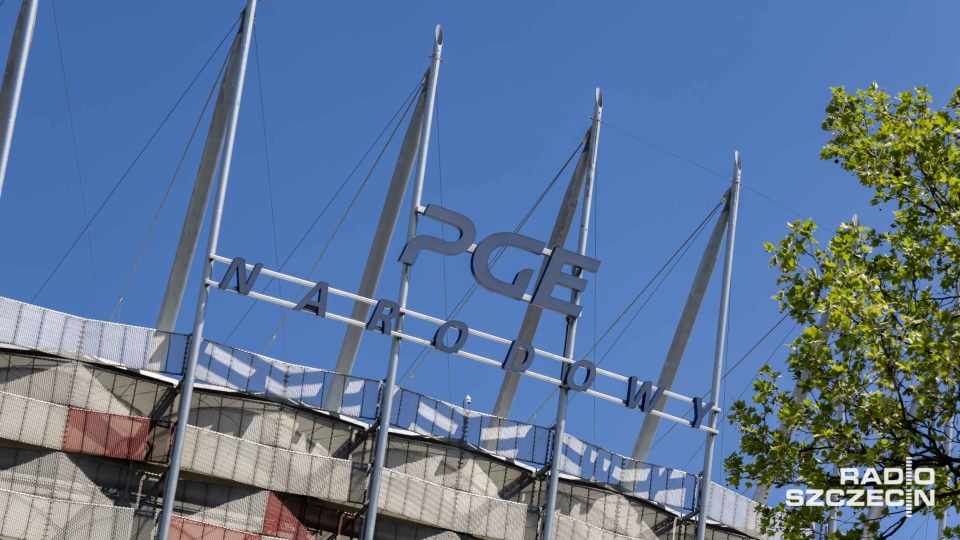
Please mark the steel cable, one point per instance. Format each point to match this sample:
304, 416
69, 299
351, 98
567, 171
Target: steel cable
132, 164
329, 203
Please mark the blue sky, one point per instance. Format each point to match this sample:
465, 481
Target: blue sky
689, 84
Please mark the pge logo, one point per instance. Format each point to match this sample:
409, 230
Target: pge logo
891, 487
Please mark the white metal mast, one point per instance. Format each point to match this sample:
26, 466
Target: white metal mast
531, 317
231, 86
682, 335
378, 249
13, 79
202, 187
386, 404
571, 334
705, 480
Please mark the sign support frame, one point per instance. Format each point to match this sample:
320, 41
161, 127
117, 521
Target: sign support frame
722, 327
241, 53
571, 332
386, 402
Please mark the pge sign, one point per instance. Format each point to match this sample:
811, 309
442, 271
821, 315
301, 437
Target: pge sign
551, 275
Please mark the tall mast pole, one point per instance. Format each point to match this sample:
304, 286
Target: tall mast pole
239, 61
571, 334
199, 197
721, 346
531, 317
13, 79
386, 404
681, 336
389, 215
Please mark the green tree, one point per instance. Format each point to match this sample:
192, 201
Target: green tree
881, 379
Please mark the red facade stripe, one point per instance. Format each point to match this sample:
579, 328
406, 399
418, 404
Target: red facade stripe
280, 522
188, 529
111, 435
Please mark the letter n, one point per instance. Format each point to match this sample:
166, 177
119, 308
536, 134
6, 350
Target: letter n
238, 268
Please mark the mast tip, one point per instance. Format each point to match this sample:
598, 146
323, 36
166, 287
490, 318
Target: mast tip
439, 35
599, 98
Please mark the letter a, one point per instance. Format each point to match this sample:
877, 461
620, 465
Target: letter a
238, 267
316, 300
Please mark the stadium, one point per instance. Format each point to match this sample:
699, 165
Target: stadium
86, 426
113, 431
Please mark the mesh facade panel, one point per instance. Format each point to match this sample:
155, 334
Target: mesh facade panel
77, 338
249, 372
608, 511
56, 475
277, 469
568, 528
428, 416
280, 522
31, 517
448, 466
85, 386
111, 435
452, 509
659, 484
239, 508
731, 508
31, 421
188, 529
269, 423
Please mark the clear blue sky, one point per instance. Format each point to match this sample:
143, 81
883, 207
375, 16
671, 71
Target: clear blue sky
515, 96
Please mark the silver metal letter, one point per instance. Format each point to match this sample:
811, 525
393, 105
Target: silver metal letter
511, 363
554, 276
480, 264
645, 398
422, 242
700, 408
569, 378
315, 301
438, 342
384, 317
238, 268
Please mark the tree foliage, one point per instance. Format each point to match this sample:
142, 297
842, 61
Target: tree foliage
880, 379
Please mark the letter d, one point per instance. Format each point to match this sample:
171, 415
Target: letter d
519, 365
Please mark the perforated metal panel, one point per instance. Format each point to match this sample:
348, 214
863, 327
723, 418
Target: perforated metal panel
31, 517
452, 509
31, 421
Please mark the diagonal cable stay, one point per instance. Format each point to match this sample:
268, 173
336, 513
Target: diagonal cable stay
133, 163
404, 106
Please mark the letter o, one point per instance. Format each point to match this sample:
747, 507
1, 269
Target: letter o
569, 376
924, 476
441, 346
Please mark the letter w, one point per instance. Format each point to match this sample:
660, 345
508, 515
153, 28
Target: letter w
646, 398
238, 267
